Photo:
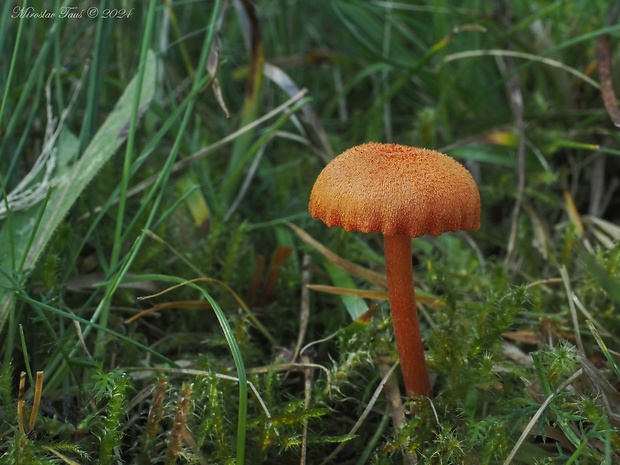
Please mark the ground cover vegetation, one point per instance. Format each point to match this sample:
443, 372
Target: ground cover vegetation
165, 296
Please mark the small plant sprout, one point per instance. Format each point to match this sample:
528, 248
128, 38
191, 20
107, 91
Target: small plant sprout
402, 192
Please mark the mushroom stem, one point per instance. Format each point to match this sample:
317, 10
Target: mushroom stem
399, 272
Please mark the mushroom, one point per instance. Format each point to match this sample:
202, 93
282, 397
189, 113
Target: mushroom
402, 192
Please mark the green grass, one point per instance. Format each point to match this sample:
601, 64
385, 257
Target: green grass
144, 184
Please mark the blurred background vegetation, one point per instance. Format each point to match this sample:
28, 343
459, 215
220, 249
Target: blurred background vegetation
145, 144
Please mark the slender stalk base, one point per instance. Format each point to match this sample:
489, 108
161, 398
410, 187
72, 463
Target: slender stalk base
404, 314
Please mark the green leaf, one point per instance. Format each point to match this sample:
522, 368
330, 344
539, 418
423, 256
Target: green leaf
70, 181
484, 154
356, 306
609, 283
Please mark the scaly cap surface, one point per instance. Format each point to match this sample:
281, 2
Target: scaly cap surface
396, 189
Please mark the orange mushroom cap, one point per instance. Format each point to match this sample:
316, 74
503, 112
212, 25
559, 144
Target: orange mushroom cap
396, 189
